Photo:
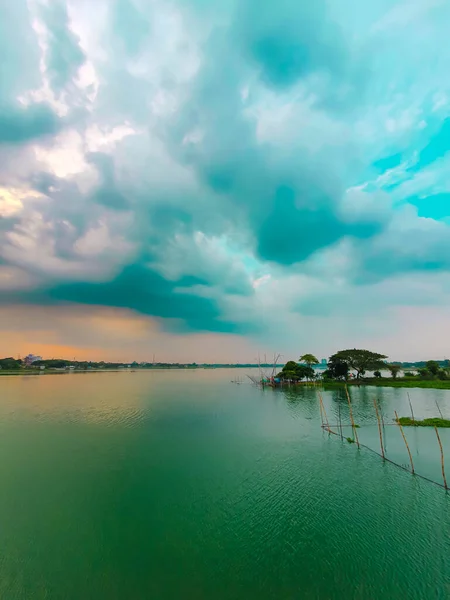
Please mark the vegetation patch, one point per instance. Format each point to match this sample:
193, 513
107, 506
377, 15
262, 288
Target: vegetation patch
402, 382
433, 422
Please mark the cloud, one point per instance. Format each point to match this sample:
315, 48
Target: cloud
290, 40
22, 124
145, 291
197, 163
64, 56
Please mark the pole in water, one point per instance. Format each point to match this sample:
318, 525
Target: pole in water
382, 420
351, 417
410, 406
439, 409
442, 458
379, 428
406, 442
324, 412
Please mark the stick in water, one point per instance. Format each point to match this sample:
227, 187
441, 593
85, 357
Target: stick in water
379, 427
406, 442
439, 409
351, 417
410, 406
442, 458
324, 412
382, 420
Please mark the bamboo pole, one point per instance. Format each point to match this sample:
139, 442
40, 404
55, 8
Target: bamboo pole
406, 442
324, 411
439, 409
379, 428
410, 406
384, 427
351, 416
442, 458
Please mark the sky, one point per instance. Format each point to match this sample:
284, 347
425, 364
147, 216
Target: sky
208, 180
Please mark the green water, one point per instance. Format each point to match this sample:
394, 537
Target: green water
155, 485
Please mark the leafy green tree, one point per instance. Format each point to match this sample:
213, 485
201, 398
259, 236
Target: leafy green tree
288, 375
337, 369
360, 360
433, 367
309, 360
424, 373
305, 372
394, 369
294, 372
289, 371
377, 374
10, 363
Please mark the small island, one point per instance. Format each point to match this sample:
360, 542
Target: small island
432, 422
357, 367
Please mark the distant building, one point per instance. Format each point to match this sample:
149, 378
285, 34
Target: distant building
30, 359
323, 362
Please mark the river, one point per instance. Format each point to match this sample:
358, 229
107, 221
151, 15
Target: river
182, 485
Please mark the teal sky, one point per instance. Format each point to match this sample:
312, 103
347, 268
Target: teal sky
240, 176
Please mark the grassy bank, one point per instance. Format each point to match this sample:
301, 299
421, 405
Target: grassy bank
433, 422
401, 382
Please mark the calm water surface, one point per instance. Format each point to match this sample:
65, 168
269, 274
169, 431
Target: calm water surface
161, 485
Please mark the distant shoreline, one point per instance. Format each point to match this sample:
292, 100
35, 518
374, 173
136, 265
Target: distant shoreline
372, 382
31, 372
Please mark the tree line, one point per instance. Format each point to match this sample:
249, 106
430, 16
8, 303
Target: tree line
357, 362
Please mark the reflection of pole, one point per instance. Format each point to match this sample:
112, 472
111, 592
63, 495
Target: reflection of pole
379, 427
381, 414
442, 458
321, 411
340, 421
351, 416
406, 443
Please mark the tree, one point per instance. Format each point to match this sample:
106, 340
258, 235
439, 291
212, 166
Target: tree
423, 372
337, 369
360, 360
377, 374
433, 367
305, 372
10, 363
309, 360
294, 372
394, 369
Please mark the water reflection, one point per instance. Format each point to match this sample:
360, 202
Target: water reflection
172, 485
